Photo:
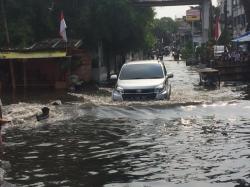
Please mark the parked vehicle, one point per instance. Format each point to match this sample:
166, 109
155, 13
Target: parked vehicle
142, 80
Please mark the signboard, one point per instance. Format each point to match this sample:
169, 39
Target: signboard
32, 54
193, 15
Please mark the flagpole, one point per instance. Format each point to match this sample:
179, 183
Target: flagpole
63, 28
63, 34
66, 47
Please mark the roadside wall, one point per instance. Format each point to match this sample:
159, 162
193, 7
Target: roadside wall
84, 64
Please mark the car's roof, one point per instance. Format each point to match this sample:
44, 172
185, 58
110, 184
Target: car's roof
143, 62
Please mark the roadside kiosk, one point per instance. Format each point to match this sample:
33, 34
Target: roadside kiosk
209, 77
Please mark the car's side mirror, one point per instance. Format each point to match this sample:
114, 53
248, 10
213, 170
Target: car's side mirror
113, 77
170, 75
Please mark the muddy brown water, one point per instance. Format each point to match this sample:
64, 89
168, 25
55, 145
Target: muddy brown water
198, 138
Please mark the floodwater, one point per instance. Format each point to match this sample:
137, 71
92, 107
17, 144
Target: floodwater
198, 138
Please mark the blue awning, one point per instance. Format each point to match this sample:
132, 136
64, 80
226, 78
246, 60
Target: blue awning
243, 38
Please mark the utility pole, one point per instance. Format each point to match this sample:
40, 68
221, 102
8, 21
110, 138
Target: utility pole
100, 60
13, 81
192, 30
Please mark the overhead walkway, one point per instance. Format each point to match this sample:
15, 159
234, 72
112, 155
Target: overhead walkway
166, 2
205, 10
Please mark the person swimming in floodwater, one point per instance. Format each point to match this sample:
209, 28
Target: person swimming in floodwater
44, 115
2, 121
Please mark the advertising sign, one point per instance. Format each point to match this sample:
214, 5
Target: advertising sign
193, 15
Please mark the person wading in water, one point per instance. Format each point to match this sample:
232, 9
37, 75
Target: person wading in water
2, 122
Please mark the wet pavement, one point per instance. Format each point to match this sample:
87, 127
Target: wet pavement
198, 138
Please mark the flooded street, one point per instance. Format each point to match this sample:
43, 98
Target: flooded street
198, 138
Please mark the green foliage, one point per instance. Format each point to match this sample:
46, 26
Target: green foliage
187, 51
28, 21
163, 28
203, 52
225, 38
165, 24
118, 24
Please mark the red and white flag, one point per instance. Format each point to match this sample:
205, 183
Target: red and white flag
217, 30
63, 28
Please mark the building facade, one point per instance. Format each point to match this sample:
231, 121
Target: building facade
233, 16
239, 18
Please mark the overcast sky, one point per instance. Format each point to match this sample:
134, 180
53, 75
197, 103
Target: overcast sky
174, 11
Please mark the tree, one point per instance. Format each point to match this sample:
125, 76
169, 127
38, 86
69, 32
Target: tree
120, 25
163, 29
29, 21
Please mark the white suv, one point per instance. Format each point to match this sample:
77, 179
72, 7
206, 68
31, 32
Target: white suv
142, 80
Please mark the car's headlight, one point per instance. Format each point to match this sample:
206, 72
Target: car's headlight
160, 88
119, 89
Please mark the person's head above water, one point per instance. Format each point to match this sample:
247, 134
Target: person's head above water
45, 110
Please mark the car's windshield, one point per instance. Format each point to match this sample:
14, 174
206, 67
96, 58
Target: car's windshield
141, 71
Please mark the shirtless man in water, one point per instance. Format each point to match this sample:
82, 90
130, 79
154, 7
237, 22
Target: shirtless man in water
2, 122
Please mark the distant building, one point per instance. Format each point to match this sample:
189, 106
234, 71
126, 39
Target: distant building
184, 30
190, 26
239, 18
221, 5
236, 17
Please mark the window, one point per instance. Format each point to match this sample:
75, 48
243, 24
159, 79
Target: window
141, 71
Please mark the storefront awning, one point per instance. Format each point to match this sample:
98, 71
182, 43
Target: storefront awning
243, 38
32, 55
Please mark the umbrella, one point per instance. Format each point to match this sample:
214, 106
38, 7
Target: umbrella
243, 38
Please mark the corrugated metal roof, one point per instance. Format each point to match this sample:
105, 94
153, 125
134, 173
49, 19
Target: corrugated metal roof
51, 48
55, 44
